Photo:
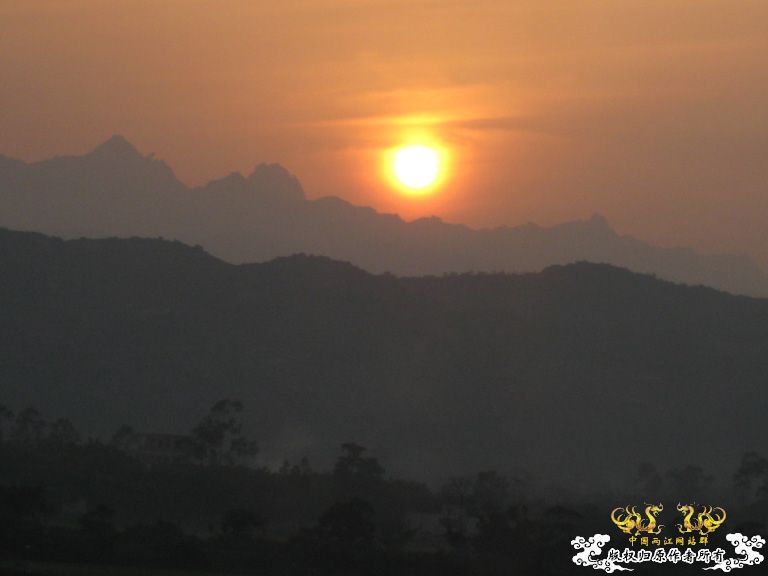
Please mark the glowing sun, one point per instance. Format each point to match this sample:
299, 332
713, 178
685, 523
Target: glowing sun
417, 167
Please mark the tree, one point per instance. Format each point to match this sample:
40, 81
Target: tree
6, 416
99, 527
357, 475
753, 474
63, 433
476, 510
649, 481
690, 483
457, 498
301, 469
125, 438
491, 492
349, 524
241, 449
242, 523
29, 427
352, 463
21, 509
218, 437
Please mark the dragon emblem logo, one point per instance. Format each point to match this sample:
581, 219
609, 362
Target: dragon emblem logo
629, 520
705, 522
688, 545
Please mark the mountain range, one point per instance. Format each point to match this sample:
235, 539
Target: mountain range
574, 373
117, 191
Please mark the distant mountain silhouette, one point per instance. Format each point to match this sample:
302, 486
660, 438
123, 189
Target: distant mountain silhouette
579, 371
116, 191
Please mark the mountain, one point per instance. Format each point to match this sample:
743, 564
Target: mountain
576, 373
116, 191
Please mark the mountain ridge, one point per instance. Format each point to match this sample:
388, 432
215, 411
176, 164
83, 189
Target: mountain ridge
440, 374
116, 191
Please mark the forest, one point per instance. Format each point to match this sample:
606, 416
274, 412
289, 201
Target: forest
200, 502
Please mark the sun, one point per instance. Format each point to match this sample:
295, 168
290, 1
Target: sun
416, 167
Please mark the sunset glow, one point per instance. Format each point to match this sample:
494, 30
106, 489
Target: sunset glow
548, 114
416, 167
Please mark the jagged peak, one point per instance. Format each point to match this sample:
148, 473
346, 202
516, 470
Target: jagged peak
597, 220
231, 178
595, 224
8, 161
275, 178
270, 169
314, 267
116, 147
428, 221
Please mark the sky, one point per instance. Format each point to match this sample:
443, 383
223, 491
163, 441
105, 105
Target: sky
652, 113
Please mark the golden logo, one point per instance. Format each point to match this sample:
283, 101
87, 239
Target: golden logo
629, 520
706, 522
632, 522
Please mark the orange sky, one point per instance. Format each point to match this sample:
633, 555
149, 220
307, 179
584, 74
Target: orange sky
651, 112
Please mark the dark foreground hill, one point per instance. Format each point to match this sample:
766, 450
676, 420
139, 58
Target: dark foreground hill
575, 373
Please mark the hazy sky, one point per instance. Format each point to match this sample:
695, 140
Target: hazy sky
652, 112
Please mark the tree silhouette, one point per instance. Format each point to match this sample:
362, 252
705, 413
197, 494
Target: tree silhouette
353, 463
649, 481
21, 509
6, 417
690, 482
29, 427
457, 497
490, 492
241, 523
752, 475
218, 437
301, 469
349, 524
63, 433
477, 511
356, 474
98, 526
125, 438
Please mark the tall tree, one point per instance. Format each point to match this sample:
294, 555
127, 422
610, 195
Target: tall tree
218, 438
357, 474
690, 482
649, 481
6, 417
125, 438
63, 433
752, 475
29, 427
